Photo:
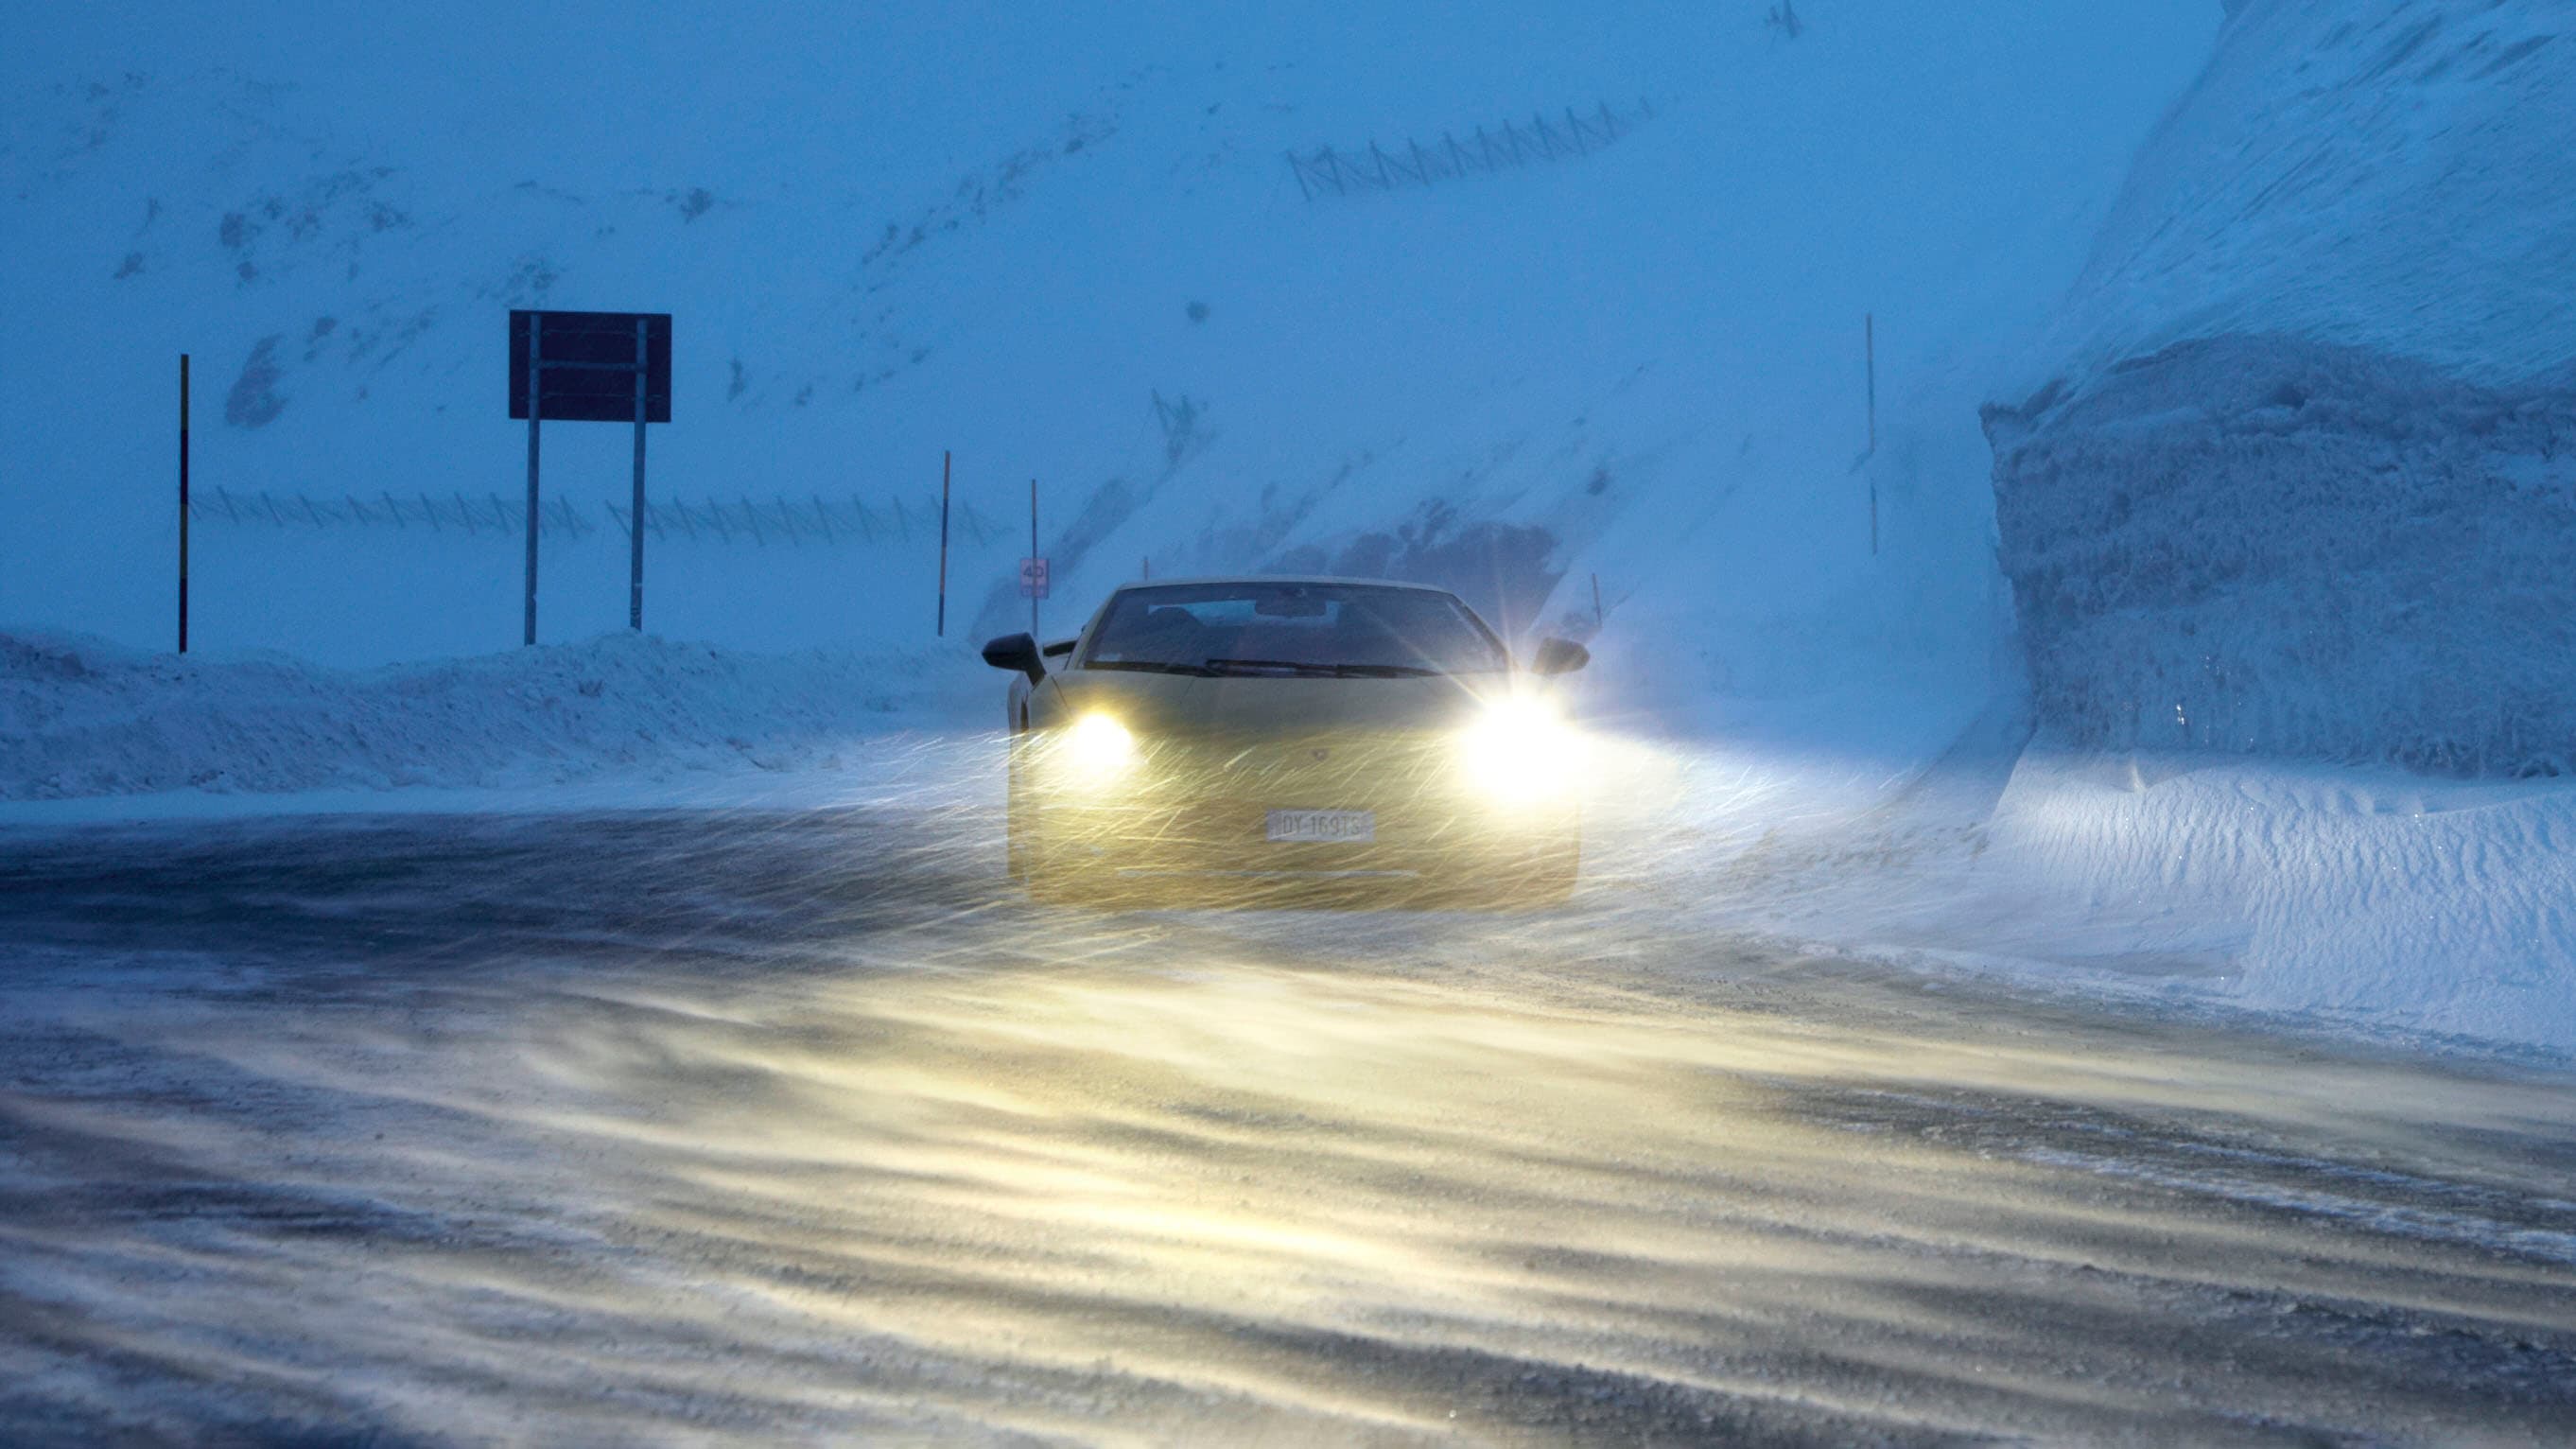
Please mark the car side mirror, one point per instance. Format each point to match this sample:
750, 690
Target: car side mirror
1017, 652
1559, 656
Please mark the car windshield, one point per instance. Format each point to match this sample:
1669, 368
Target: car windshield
1287, 628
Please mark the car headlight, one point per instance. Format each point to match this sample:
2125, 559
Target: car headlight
1095, 750
1521, 751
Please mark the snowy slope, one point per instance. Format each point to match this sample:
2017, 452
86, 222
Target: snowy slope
2390, 175
2292, 473
1005, 231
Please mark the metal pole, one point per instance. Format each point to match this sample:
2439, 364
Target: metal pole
944, 459
635, 527
183, 503
1033, 553
1869, 354
536, 391
1598, 618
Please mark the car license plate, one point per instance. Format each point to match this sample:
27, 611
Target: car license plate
1332, 827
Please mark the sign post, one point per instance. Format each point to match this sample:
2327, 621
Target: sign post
536, 370
635, 513
594, 367
183, 503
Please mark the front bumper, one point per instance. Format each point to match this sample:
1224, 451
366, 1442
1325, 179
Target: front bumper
1200, 816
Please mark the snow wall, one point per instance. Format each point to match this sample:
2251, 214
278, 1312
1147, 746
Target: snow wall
2304, 478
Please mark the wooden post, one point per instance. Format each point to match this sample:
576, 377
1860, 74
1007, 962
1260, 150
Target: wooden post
944, 459
183, 503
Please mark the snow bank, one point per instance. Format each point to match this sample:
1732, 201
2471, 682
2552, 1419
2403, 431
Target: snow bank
2369, 895
82, 717
2300, 477
2364, 898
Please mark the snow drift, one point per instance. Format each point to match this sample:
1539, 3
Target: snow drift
83, 717
2369, 898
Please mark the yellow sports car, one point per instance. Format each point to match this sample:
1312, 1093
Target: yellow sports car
1259, 738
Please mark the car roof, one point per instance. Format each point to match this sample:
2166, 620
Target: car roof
1203, 579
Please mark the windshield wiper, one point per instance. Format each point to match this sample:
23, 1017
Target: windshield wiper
1386, 671
1249, 666
1152, 666
1326, 671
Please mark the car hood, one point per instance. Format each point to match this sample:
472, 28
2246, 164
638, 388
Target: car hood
1236, 705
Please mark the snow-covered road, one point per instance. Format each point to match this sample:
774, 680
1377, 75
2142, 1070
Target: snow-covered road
687, 1126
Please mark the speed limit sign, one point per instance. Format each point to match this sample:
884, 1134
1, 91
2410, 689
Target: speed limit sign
1033, 578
